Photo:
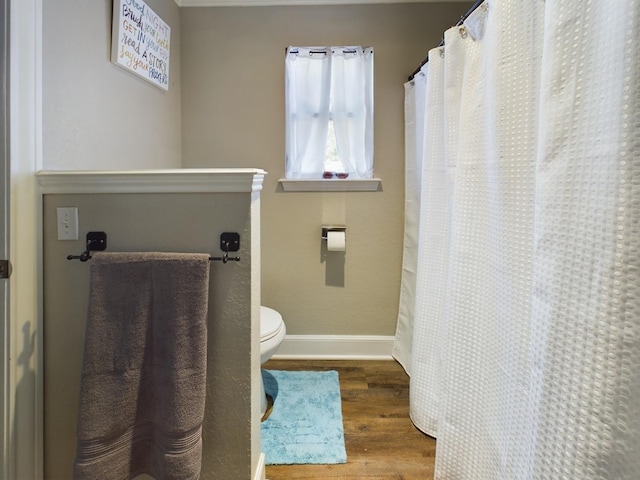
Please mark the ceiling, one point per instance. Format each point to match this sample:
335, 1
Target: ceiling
258, 3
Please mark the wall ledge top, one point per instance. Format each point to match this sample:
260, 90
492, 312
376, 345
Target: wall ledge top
330, 185
187, 180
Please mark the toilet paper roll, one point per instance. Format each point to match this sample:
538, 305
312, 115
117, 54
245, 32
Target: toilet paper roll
336, 241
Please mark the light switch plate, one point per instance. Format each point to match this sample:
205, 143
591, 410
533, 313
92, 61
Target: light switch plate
67, 223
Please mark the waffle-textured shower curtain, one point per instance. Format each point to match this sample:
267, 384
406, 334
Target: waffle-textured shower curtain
519, 320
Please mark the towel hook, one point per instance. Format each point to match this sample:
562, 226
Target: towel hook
229, 242
96, 241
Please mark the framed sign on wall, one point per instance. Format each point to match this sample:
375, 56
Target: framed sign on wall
141, 41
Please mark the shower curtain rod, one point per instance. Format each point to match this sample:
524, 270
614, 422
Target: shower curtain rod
460, 22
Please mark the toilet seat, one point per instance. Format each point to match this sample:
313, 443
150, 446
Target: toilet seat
272, 333
270, 323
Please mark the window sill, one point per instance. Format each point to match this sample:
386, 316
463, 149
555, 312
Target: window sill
331, 185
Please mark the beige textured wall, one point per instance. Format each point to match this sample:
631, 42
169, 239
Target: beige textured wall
157, 222
96, 115
233, 116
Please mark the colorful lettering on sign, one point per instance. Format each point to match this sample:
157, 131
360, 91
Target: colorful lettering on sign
142, 41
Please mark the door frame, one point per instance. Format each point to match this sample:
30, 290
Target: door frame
4, 232
22, 401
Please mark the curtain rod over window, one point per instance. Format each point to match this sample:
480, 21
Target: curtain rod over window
294, 51
460, 22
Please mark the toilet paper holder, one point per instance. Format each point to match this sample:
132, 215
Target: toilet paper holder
326, 229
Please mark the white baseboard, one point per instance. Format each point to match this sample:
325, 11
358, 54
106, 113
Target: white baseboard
260, 468
336, 347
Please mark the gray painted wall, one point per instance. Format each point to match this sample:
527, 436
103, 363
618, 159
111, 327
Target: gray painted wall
156, 222
96, 115
233, 115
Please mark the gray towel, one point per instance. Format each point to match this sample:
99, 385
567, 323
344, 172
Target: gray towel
143, 379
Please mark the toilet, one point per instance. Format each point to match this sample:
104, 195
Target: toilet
272, 332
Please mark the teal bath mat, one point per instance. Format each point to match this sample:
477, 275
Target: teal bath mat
305, 425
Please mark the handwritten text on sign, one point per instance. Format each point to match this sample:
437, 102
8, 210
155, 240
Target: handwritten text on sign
141, 41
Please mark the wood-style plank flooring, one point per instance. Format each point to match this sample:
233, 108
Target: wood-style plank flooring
380, 439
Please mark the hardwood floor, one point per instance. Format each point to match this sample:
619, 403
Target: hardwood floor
380, 439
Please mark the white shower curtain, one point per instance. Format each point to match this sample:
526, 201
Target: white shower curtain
520, 308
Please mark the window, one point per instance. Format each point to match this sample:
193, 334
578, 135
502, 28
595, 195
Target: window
329, 112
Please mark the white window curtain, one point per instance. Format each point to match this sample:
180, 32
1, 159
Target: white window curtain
522, 338
323, 83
